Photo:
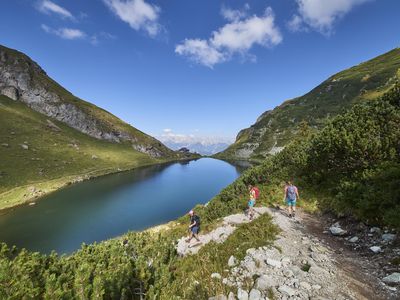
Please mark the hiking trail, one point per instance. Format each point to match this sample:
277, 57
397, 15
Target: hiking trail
306, 266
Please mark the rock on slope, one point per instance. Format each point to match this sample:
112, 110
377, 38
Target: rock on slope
274, 128
21, 79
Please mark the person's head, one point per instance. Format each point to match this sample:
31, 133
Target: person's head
191, 213
249, 187
288, 182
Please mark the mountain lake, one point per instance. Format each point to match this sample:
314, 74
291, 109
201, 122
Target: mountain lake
109, 206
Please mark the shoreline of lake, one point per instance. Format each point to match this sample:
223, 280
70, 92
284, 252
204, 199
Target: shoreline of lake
54, 185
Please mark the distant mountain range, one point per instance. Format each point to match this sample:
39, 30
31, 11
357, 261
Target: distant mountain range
201, 148
275, 128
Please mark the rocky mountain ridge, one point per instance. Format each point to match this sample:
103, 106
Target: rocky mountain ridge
277, 127
22, 79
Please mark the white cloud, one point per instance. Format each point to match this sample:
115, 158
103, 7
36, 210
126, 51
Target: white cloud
169, 136
236, 37
321, 15
137, 13
65, 33
200, 51
48, 7
234, 14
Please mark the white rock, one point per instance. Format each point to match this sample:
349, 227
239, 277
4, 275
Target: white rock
274, 263
288, 273
376, 249
388, 237
255, 295
393, 278
375, 230
232, 261
216, 276
264, 282
284, 289
25, 147
242, 294
335, 230
231, 296
354, 239
316, 287
285, 261
305, 285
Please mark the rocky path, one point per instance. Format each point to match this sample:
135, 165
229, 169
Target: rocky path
301, 265
219, 235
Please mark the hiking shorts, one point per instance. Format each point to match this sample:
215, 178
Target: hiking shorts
195, 229
251, 203
291, 202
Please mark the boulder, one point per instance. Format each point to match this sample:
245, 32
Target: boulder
231, 296
274, 263
388, 237
285, 290
336, 230
25, 147
393, 278
255, 295
242, 294
264, 282
354, 239
376, 249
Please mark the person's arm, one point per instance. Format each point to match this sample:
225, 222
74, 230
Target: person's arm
193, 224
297, 193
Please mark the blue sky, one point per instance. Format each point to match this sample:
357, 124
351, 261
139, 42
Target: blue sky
202, 68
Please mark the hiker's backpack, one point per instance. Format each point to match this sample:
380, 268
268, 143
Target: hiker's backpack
256, 192
291, 192
196, 218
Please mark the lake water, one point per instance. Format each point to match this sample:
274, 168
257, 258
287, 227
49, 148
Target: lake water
111, 205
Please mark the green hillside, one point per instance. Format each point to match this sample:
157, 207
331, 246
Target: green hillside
56, 154
275, 128
29, 83
351, 166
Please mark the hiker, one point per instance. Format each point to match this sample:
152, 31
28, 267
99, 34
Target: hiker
194, 226
254, 193
291, 195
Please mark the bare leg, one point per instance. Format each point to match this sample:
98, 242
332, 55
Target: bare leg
196, 237
190, 237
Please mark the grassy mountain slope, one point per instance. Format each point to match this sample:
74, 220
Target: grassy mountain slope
55, 154
351, 166
27, 82
275, 128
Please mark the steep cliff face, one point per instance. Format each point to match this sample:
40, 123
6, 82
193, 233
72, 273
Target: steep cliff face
21, 79
275, 128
